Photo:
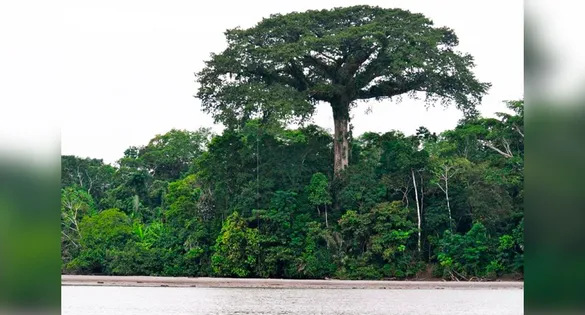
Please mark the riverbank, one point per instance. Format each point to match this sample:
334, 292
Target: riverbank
145, 281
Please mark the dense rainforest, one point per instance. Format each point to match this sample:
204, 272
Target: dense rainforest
262, 201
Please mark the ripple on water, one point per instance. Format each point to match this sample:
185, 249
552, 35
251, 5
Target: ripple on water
201, 301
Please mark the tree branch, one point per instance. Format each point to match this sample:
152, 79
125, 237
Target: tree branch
507, 147
320, 65
385, 89
364, 78
518, 130
441, 187
505, 154
69, 238
350, 68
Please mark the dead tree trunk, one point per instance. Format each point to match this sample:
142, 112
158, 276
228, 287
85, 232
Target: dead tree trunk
417, 209
445, 176
448, 203
326, 220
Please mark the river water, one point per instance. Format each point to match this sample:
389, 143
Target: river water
88, 300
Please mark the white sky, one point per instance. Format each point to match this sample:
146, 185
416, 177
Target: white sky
119, 72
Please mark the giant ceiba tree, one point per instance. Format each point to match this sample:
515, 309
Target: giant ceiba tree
282, 67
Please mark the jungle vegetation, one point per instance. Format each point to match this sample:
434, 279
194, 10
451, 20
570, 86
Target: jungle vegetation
262, 199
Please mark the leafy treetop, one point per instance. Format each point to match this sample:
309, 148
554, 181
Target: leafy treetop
284, 65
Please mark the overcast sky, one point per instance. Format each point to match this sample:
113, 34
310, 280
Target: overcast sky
122, 71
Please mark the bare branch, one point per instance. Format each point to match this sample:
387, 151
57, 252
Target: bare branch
491, 146
441, 187
507, 147
518, 130
70, 239
90, 182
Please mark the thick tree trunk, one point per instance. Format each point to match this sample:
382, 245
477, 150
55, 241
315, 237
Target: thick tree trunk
341, 136
340, 146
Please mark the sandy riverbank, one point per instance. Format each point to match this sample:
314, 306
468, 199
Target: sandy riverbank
143, 281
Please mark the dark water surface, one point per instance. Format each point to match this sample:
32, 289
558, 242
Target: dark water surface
86, 300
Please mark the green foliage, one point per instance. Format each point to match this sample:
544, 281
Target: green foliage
518, 236
466, 255
169, 156
182, 199
315, 260
285, 63
242, 203
318, 190
280, 69
392, 230
510, 252
282, 231
136, 260
90, 175
75, 205
148, 235
361, 189
236, 248
377, 242
108, 230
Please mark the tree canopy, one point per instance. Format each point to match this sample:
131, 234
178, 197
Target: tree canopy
257, 204
282, 67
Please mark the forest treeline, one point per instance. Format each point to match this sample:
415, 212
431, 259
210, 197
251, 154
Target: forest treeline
264, 202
